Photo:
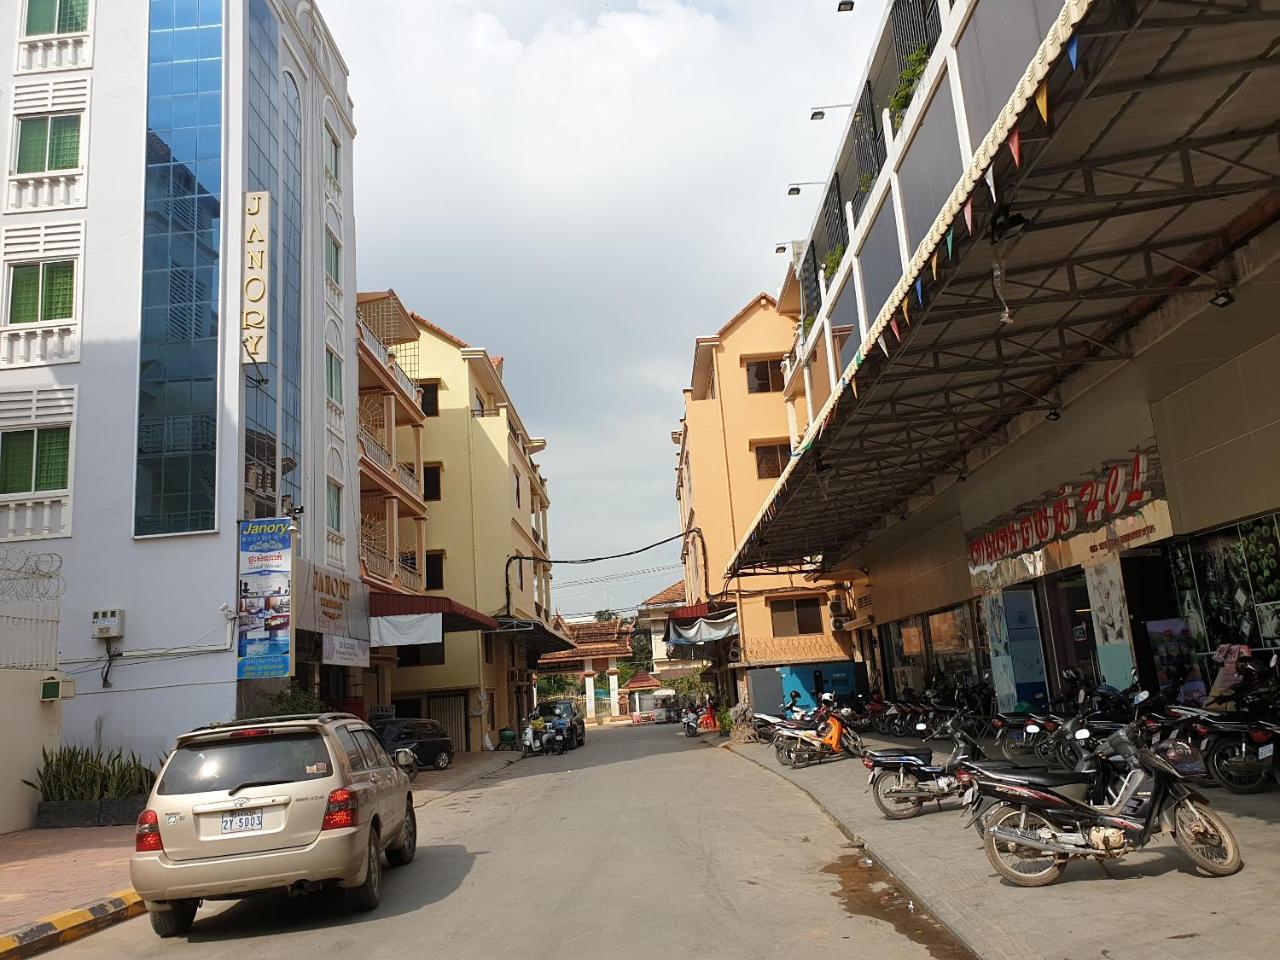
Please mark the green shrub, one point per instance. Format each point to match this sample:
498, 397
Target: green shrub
724, 721
73, 773
290, 700
912, 71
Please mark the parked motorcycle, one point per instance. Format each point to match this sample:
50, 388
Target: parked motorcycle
1233, 749
901, 780
537, 736
690, 721
833, 739
1043, 819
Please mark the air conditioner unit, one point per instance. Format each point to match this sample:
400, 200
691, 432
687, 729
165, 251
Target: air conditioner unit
107, 624
863, 600
836, 607
839, 624
51, 688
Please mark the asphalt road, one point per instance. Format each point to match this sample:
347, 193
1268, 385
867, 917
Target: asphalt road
642, 843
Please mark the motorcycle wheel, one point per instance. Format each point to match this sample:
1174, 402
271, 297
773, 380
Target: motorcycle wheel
897, 808
1022, 866
1065, 756
1013, 752
800, 757
1206, 839
1229, 764
784, 751
765, 734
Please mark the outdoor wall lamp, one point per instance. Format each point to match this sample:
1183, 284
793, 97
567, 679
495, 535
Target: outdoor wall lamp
1054, 415
1223, 298
844, 6
1006, 225
793, 189
820, 113
780, 248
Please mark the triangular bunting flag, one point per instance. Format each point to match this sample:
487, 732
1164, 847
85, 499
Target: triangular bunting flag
1015, 146
990, 176
1073, 52
968, 215
883, 345
933, 261
893, 324
906, 312
951, 236
857, 360
1042, 102
919, 291
853, 385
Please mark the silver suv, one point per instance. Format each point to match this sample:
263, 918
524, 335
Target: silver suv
297, 803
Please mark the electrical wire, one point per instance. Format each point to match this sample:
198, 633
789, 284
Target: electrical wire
644, 573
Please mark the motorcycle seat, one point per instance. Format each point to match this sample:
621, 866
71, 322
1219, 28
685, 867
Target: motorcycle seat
920, 753
1043, 778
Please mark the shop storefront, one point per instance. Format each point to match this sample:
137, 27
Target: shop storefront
334, 660
942, 648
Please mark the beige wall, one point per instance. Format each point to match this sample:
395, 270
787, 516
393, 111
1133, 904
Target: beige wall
1219, 440
28, 726
929, 573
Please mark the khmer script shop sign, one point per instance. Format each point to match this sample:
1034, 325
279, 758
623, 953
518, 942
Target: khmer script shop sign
1115, 490
264, 634
256, 280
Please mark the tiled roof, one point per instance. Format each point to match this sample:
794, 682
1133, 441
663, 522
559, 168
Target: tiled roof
598, 631
671, 596
642, 680
607, 638
441, 332
588, 652
497, 364
760, 299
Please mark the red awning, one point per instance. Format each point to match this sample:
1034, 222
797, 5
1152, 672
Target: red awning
457, 617
697, 611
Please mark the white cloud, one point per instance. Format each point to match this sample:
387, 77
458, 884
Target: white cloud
584, 187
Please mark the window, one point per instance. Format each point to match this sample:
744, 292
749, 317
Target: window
56, 16
333, 376
206, 767
332, 257
764, 376
373, 747
34, 460
420, 655
48, 143
479, 403
771, 458
520, 574
488, 649
332, 155
433, 575
352, 749
333, 505
431, 399
431, 481
794, 617
515, 478
41, 292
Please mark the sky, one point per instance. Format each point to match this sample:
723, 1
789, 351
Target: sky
584, 187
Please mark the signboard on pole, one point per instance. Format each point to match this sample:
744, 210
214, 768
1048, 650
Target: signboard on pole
264, 640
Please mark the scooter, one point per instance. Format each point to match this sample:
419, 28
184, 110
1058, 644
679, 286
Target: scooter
536, 736
834, 739
690, 722
902, 780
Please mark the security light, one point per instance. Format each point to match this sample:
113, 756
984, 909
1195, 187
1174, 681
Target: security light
1006, 225
818, 115
1223, 298
1054, 415
793, 191
780, 248
844, 6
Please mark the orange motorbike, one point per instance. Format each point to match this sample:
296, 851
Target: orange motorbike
834, 739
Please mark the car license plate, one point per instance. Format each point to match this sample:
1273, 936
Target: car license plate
1268, 750
242, 821
969, 795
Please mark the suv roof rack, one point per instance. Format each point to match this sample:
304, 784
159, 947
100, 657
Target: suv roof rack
325, 717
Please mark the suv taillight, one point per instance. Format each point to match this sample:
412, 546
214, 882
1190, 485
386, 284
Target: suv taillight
341, 811
147, 838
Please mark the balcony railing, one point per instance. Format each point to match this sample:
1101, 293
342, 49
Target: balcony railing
410, 578
376, 560
407, 476
33, 345
379, 350
70, 51
46, 191
335, 418
35, 516
335, 549
402, 378
374, 450
333, 294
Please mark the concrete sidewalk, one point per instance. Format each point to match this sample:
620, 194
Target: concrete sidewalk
45, 872
1148, 906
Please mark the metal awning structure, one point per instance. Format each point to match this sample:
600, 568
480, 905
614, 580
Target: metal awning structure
457, 617
1142, 149
538, 637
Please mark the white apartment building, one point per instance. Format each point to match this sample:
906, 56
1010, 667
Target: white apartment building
133, 433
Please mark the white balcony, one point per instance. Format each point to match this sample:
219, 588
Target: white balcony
333, 295
335, 418
72, 51
39, 344
402, 378
335, 550
376, 346
45, 191
35, 516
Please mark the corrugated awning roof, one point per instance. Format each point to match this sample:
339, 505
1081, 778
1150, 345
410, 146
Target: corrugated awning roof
457, 617
1139, 147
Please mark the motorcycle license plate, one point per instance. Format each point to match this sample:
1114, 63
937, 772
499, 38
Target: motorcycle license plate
1268, 750
970, 795
242, 821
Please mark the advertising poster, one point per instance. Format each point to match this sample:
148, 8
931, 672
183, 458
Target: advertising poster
264, 637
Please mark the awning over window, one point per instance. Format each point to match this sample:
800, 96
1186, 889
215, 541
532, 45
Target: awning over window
457, 617
708, 629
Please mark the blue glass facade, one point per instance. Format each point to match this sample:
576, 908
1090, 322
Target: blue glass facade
291, 292
177, 393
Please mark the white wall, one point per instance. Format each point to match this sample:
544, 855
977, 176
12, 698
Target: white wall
28, 726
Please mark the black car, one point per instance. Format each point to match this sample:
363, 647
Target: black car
575, 723
426, 738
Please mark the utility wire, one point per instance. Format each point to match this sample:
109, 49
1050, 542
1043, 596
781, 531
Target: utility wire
627, 575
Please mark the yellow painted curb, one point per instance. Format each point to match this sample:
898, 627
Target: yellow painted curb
69, 925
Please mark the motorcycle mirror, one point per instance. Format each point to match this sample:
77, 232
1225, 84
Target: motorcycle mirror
1083, 733
921, 726
1142, 697
1032, 728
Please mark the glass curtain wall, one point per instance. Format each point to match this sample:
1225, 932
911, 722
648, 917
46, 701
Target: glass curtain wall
182, 233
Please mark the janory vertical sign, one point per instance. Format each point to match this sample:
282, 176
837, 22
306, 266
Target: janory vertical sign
255, 285
265, 585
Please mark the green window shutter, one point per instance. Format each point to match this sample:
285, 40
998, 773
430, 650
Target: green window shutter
64, 142
331, 256
73, 16
17, 449
33, 144
333, 506
333, 377
42, 17
59, 291
24, 293
53, 453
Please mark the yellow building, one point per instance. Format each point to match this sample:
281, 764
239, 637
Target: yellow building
733, 442
487, 503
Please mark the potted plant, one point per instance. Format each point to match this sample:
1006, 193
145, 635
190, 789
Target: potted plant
83, 787
724, 721
127, 783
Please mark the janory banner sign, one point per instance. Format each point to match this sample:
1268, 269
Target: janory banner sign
265, 583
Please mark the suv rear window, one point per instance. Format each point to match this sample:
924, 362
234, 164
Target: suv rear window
212, 765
